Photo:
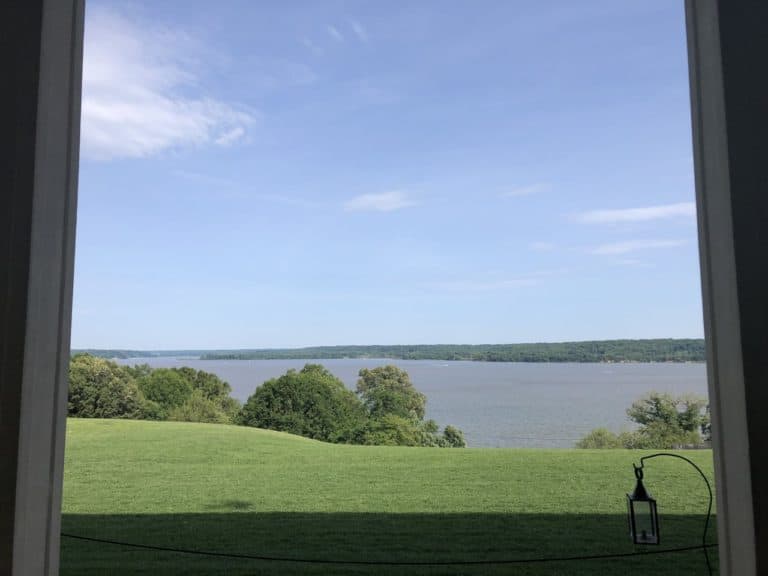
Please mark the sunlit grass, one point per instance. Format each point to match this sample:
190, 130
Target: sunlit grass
236, 489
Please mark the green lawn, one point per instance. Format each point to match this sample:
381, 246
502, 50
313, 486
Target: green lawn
242, 490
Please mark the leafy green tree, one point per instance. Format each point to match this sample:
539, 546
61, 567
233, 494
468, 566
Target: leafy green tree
212, 388
392, 430
388, 390
397, 409
99, 388
453, 437
138, 371
199, 408
311, 402
657, 435
665, 421
167, 387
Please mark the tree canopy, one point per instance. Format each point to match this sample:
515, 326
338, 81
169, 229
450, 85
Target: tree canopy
388, 390
100, 388
386, 410
396, 411
664, 421
311, 402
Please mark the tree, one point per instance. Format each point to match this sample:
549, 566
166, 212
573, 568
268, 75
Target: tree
311, 402
167, 387
392, 430
99, 388
198, 408
396, 410
665, 421
212, 388
388, 390
453, 437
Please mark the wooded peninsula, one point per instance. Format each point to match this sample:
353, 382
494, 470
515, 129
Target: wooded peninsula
650, 350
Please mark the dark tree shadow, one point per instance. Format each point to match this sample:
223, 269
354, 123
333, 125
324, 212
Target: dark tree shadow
373, 537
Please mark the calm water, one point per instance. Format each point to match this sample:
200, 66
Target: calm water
496, 404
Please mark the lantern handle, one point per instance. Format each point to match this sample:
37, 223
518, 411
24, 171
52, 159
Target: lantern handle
639, 470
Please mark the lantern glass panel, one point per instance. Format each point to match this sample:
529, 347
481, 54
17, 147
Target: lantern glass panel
645, 522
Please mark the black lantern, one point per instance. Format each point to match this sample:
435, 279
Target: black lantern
641, 509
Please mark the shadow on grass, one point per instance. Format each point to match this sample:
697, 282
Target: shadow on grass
373, 537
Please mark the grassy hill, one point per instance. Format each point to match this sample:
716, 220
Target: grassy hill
242, 490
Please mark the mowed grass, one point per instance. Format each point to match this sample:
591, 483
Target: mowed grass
246, 491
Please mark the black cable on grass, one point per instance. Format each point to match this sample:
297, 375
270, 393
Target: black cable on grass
238, 556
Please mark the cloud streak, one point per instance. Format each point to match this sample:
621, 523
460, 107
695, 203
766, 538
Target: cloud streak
136, 80
619, 248
523, 191
645, 214
334, 33
359, 30
542, 246
493, 285
480, 286
311, 46
383, 202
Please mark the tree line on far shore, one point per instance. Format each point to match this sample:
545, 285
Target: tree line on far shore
385, 409
647, 350
659, 350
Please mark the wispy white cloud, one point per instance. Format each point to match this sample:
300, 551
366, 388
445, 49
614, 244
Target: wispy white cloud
661, 212
542, 246
480, 286
494, 284
311, 46
136, 80
359, 30
383, 202
233, 135
523, 191
207, 179
618, 248
334, 33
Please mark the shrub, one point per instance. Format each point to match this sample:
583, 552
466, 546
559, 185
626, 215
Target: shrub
600, 438
453, 437
659, 436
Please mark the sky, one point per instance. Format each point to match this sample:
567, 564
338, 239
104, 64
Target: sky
284, 174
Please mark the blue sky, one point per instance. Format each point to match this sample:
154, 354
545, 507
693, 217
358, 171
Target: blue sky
270, 174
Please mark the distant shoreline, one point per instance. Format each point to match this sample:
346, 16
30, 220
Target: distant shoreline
597, 351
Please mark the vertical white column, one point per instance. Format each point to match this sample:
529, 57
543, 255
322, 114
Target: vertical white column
38, 249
